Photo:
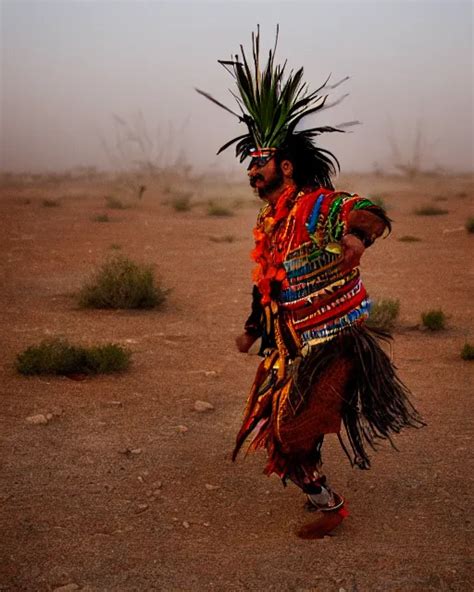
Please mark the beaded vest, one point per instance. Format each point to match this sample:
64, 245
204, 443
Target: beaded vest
298, 246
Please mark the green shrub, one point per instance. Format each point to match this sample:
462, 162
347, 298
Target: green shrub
434, 320
114, 203
101, 218
430, 211
57, 356
50, 203
214, 209
408, 238
470, 225
383, 314
467, 352
121, 283
227, 238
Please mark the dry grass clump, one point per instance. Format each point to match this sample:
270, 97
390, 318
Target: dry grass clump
470, 225
59, 357
218, 210
50, 203
467, 352
101, 218
121, 283
430, 211
384, 314
408, 238
226, 238
114, 203
434, 320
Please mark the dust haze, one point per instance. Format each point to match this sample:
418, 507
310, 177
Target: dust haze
75, 73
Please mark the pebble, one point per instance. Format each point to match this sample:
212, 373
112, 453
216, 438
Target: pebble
39, 419
210, 487
136, 451
186, 524
141, 508
67, 588
182, 429
203, 406
206, 524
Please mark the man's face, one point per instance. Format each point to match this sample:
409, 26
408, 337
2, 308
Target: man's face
265, 177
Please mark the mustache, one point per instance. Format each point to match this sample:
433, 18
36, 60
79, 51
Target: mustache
255, 178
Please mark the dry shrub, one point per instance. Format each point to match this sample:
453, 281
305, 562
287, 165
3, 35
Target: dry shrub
121, 283
434, 320
218, 210
50, 203
467, 352
114, 203
470, 225
383, 314
430, 211
58, 356
181, 201
408, 238
101, 218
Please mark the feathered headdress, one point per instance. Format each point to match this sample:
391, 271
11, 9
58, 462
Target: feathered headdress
272, 106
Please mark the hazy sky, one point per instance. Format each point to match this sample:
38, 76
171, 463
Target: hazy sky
69, 66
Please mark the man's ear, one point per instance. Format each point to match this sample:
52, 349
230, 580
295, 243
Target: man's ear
287, 169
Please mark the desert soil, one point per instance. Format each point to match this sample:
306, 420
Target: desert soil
129, 488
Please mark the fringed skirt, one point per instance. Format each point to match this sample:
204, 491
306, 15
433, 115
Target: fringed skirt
349, 381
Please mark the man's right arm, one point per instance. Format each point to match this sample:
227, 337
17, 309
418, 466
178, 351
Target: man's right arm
253, 325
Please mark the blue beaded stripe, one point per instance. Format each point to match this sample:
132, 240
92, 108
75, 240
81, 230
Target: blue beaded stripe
313, 218
332, 329
308, 288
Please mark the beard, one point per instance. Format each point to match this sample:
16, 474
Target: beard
269, 186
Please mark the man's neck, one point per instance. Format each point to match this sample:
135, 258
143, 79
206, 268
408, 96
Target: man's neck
272, 198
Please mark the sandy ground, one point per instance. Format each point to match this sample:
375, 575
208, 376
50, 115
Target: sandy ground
77, 510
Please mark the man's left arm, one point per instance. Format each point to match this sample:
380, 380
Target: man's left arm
364, 226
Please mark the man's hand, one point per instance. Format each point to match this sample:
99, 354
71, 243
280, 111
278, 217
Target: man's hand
244, 342
353, 251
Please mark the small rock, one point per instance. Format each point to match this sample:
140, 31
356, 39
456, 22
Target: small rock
136, 451
182, 429
210, 373
49, 416
206, 524
158, 484
39, 419
203, 406
186, 524
174, 519
141, 508
210, 487
140, 478
115, 403
67, 588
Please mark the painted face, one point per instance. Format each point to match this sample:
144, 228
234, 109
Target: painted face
265, 175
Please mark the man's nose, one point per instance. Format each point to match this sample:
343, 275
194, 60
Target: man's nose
251, 170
